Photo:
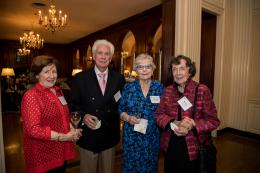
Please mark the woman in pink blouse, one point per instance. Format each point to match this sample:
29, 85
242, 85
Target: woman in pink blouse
48, 135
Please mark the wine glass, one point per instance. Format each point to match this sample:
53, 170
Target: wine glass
75, 118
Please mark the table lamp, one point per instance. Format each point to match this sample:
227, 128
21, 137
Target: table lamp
8, 72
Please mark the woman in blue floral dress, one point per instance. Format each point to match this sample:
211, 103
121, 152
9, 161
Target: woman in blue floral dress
137, 107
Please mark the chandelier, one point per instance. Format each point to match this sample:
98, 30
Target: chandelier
23, 52
31, 40
53, 22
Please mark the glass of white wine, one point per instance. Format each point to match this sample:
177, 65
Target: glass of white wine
75, 118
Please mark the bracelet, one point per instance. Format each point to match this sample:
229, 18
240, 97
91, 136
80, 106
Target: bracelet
124, 116
58, 139
127, 118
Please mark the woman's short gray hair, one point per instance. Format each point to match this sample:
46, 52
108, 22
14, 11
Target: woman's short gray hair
143, 56
97, 43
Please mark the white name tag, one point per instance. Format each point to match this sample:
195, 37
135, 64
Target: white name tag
155, 99
62, 100
141, 126
184, 103
117, 96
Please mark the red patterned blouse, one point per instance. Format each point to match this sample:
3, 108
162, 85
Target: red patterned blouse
205, 117
42, 112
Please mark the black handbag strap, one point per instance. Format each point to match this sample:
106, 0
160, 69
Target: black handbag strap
195, 102
194, 111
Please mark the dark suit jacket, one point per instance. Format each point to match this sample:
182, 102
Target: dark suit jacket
87, 97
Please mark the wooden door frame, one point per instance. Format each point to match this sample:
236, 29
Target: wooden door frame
2, 154
208, 49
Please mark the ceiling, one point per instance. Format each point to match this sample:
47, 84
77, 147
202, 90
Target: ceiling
84, 17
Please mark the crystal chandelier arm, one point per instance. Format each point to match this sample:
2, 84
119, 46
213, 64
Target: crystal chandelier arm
40, 15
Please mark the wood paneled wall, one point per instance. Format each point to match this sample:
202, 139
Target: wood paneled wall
143, 26
168, 38
9, 58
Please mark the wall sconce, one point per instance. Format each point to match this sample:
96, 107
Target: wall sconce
75, 71
130, 77
134, 74
126, 73
124, 54
90, 58
8, 72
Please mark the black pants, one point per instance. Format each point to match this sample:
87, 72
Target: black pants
60, 169
177, 159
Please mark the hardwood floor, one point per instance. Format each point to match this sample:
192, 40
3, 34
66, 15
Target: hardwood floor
236, 154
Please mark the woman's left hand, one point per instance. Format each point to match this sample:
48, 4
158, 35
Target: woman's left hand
133, 120
187, 123
77, 134
72, 135
181, 131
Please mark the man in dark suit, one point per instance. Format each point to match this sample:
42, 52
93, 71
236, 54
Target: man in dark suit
95, 93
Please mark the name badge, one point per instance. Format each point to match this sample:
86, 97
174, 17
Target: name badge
117, 96
141, 126
184, 103
62, 100
155, 99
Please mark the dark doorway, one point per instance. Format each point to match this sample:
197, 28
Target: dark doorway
208, 45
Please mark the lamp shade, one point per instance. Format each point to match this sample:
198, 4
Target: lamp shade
7, 72
75, 71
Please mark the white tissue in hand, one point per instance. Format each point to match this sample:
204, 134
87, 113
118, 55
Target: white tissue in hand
173, 126
98, 124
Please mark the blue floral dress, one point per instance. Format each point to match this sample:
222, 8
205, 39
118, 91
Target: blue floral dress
140, 151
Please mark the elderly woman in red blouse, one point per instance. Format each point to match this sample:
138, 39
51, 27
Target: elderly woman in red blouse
48, 135
175, 116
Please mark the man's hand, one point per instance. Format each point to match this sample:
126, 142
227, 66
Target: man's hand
90, 121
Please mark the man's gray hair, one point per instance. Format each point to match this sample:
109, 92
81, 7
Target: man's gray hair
97, 43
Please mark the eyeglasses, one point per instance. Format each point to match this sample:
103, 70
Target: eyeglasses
141, 67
